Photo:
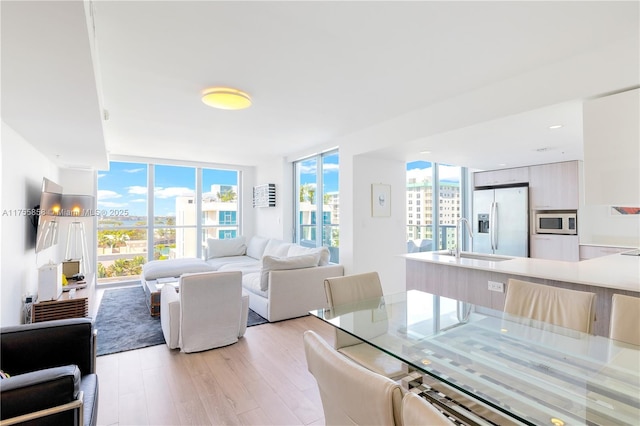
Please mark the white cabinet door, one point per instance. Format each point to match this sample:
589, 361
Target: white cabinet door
555, 247
501, 177
554, 186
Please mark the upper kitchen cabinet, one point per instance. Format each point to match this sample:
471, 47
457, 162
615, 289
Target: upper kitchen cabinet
501, 177
612, 149
554, 186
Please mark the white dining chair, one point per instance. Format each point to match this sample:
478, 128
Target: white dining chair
572, 309
350, 393
625, 319
350, 289
417, 411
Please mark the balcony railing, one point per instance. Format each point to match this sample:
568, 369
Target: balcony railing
420, 238
330, 238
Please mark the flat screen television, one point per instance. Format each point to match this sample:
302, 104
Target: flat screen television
47, 215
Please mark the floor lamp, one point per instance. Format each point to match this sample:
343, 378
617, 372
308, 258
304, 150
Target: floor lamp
78, 206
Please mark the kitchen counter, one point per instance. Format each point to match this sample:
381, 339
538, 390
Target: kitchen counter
616, 271
621, 246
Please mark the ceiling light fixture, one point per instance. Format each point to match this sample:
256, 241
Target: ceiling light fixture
226, 98
555, 126
425, 152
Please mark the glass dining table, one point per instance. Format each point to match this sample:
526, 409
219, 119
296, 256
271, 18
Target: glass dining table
487, 367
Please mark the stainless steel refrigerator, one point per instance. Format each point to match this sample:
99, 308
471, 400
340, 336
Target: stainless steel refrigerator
501, 221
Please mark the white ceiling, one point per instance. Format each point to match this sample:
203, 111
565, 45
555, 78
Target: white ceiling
476, 83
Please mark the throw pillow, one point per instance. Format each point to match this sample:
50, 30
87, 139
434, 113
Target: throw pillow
256, 246
270, 263
226, 247
3, 375
276, 248
297, 250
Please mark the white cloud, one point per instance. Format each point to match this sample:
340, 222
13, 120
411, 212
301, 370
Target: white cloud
101, 175
330, 167
137, 190
139, 200
308, 168
110, 204
312, 168
141, 169
105, 194
450, 173
173, 191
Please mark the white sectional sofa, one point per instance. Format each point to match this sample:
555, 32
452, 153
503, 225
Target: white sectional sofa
284, 280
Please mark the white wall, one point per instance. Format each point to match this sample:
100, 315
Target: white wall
372, 243
596, 225
23, 168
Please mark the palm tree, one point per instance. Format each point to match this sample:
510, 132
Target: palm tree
227, 196
307, 193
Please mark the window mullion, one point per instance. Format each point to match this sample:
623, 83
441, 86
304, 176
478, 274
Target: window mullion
435, 221
150, 216
319, 202
198, 200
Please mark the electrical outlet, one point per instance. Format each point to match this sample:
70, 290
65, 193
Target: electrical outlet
496, 286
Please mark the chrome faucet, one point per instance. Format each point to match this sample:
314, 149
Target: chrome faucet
459, 234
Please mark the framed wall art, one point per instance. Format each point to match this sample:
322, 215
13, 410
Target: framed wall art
380, 200
624, 211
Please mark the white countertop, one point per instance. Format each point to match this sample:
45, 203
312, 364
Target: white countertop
616, 271
621, 246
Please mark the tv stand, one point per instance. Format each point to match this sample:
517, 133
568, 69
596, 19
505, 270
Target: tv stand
63, 308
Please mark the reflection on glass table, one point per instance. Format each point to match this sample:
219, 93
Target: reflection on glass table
495, 364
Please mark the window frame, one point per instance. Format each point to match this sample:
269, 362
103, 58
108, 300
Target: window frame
319, 199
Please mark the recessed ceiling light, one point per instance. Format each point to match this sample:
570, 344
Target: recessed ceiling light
555, 126
425, 152
502, 164
226, 98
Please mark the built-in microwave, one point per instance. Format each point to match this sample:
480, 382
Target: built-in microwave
556, 223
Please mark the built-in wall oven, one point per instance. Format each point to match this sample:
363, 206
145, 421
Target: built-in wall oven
563, 222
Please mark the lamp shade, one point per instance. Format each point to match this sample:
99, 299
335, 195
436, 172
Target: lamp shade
78, 205
51, 203
226, 98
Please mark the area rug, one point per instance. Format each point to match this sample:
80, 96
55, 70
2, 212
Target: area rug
124, 324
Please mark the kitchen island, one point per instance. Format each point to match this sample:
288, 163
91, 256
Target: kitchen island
469, 278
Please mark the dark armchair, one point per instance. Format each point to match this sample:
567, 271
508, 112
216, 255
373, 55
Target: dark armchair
52, 367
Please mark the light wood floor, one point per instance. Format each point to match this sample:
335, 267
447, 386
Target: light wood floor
261, 380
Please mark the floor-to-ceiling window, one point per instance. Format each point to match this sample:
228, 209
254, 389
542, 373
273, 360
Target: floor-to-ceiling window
157, 212
123, 223
435, 201
317, 213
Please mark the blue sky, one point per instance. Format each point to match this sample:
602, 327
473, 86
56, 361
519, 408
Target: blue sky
308, 169
124, 186
418, 165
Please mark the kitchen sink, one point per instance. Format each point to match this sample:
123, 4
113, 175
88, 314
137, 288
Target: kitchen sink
477, 256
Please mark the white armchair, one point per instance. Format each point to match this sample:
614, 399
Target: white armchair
209, 311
